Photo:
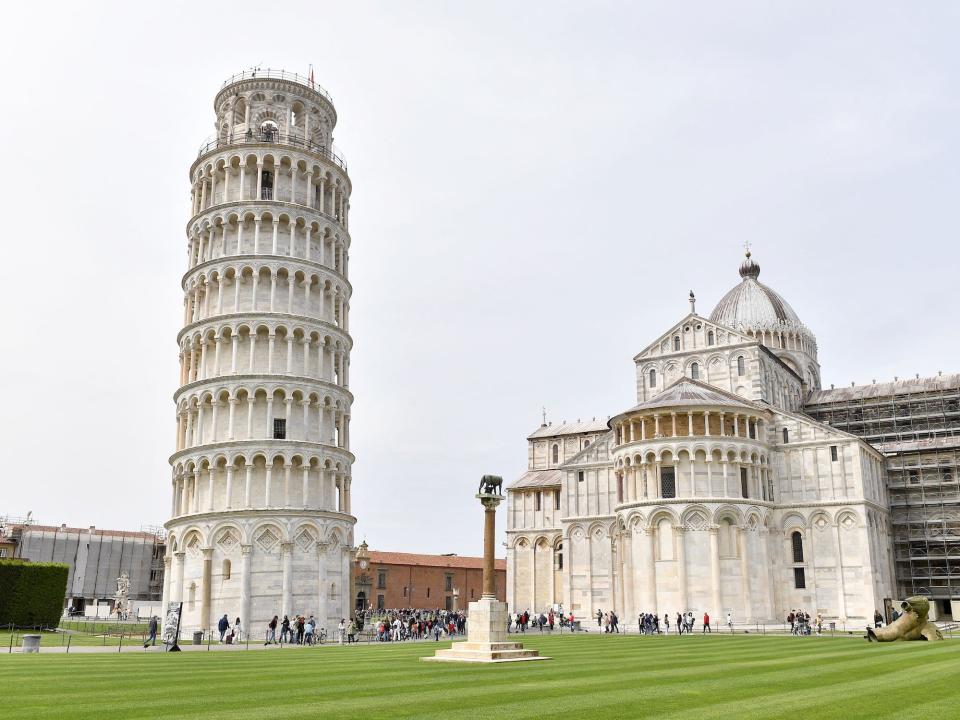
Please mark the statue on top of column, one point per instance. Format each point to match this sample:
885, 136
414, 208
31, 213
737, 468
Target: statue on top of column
491, 485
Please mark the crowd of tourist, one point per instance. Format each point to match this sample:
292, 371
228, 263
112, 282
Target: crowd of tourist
520, 621
399, 624
298, 631
800, 623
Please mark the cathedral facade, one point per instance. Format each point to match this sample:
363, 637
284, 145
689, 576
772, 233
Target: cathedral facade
714, 493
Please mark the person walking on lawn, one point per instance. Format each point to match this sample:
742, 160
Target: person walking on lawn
152, 640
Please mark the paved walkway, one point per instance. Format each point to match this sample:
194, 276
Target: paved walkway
134, 647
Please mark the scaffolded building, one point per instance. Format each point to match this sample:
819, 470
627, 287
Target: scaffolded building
915, 423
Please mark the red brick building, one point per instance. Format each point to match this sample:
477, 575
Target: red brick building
400, 580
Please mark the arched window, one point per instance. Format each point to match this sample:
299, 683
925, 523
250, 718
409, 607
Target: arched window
269, 131
226, 570
796, 541
695, 371
668, 482
653, 378
559, 555
710, 338
786, 436
741, 366
676, 342
556, 453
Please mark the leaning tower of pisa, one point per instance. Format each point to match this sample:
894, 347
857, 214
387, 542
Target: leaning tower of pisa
261, 523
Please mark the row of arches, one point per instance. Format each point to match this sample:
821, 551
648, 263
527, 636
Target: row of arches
260, 230
263, 348
290, 178
264, 413
266, 480
255, 288
664, 423
683, 471
266, 112
230, 536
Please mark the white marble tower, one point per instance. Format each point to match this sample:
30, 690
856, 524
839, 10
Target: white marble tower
261, 523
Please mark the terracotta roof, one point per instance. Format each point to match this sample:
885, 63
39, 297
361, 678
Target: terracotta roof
538, 478
565, 428
446, 561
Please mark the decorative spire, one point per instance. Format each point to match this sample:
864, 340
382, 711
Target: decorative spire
748, 268
693, 303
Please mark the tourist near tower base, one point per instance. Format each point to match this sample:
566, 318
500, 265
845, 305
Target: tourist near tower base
487, 617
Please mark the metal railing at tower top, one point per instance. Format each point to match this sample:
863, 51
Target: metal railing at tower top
270, 74
274, 137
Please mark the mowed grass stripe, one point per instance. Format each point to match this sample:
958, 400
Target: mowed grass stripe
590, 677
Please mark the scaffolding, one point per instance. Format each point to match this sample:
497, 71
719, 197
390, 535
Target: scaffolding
916, 425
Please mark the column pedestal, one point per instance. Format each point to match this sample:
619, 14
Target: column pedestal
487, 639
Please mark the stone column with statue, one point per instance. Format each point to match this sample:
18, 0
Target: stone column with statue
487, 640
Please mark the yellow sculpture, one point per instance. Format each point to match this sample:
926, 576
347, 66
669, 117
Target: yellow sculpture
911, 625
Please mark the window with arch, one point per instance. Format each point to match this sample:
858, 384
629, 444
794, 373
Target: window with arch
653, 378
786, 436
225, 570
710, 338
559, 555
668, 482
269, 131
555, 453
619, 488
676, 342
741, 366
695, 371
266, 185
796, 543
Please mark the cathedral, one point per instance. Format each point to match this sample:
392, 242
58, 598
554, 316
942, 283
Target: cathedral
716, 492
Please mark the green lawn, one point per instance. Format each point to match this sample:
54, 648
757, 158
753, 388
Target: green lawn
590, 676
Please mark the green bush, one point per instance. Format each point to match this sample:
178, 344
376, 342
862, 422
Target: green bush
32, 594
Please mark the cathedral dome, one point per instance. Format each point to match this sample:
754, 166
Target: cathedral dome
751, 305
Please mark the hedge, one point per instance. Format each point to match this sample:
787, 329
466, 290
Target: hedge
32, 594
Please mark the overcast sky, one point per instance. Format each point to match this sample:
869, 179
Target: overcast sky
537, 186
